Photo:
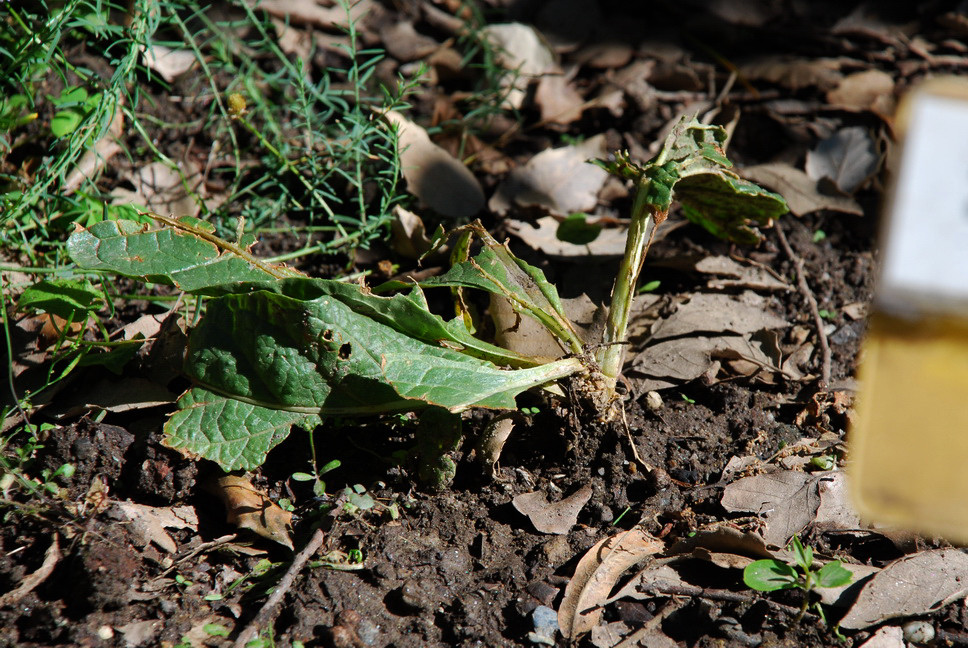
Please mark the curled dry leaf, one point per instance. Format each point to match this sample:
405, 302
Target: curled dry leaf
433, 175
909, 586
543, 236
596, 575
847, 159
552, 517
795, 73
249, 508
558, 100
560, 180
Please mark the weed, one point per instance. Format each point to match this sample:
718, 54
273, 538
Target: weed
803, 573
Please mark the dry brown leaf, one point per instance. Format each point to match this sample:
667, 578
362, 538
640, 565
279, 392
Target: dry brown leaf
159, 188
786, 500
169, 63
403, 42
558, 100
795, 73
845, 595
543, 236
869, 90
799, 190
596, 575
717, 313
552, 517
97, 156
309, 12
886, 637
560, 180
148, 523
726, 272
433, 175
723, 538
836, 511
249, 508
912, 585
847, 159
522, 51
112, 395
648, 583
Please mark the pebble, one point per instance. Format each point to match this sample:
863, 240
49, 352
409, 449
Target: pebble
918, 632
653, 401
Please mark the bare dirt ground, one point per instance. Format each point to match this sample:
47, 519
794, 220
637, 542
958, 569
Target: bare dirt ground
463, 566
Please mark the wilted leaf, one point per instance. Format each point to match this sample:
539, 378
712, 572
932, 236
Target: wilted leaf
912, 585
800, 190
847, 159
433, 175
552, 517
249, 508
560, 180
596, 575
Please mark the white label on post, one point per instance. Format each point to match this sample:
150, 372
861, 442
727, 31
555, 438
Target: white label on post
926, 250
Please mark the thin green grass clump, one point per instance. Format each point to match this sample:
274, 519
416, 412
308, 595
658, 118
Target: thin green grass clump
299, 148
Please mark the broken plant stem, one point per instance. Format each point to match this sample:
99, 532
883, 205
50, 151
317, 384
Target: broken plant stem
812, 304
645, 217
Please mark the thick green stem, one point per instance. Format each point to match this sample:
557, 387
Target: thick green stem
641, 230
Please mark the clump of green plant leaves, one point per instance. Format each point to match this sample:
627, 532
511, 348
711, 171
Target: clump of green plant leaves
691, 168
275, 348
804, 574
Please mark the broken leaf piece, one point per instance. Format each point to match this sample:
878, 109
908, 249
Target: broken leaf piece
912, 585
552, 517
521, 51
249, 508
596, 575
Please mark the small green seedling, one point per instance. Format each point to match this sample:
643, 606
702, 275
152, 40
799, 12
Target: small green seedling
771, 575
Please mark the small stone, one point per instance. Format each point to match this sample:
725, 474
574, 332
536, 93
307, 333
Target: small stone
653, 401
545, 626
918, 632
105, 632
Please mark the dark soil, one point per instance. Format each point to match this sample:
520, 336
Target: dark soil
462, 567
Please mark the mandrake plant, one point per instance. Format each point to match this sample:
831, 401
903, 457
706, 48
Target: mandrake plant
276, 349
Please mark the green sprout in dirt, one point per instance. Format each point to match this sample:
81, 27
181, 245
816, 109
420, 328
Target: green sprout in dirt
804, 574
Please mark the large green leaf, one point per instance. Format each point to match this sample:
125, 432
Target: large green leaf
186, 255
270, 354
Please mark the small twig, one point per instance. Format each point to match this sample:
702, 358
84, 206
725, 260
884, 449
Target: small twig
649, 627
268, 611
671, 589
205, 546
812, 303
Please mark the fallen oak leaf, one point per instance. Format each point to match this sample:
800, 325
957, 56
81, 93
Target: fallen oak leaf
596, 575
249, 508
148, 523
